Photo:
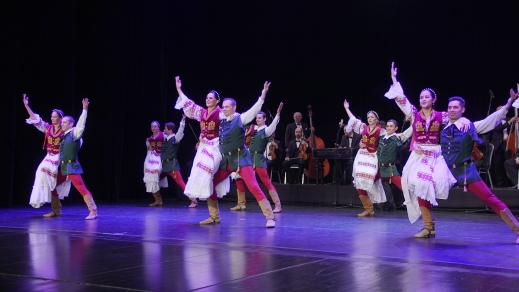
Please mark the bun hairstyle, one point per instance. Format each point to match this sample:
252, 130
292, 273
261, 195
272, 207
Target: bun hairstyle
374, 113
433, 93
216, 95
59, 112
158, 124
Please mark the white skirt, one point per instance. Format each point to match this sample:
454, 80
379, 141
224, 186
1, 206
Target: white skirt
45, 182
365, 169
205, 165
425, 176
152, 171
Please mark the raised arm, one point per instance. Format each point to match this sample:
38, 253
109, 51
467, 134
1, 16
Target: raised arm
272, 127
492, 121
180, 133
396, 92
190, 108
356, 125
250, 115
29, 111
80, 126
34, 119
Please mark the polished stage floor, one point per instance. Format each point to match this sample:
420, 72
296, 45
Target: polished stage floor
132, 247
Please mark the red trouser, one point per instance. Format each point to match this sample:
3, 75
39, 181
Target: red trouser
248, 177
177, 177
76, 180
264, 177
481, 190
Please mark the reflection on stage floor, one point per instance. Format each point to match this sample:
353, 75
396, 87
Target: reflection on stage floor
138, 248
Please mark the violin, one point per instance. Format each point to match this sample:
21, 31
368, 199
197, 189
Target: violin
302, 151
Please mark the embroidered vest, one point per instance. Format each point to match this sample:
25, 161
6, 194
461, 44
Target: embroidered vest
371, 138
209, 124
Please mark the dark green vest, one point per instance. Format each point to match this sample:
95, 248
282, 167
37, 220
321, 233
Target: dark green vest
386, 152
68, 154
168, 155
232, 144
257, 149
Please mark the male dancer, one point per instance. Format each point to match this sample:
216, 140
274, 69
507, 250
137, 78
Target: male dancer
235, 157
68, 155
457, 149
168, 155
387, 151
260, 138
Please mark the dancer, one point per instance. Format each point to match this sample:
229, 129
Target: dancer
237, 158
365, 166
153, 165
45, 188
208, 157
168, 155
387, 152
425, 176
456, 146
260, 138
68, 155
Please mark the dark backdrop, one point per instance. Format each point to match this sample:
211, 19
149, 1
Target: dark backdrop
124, 55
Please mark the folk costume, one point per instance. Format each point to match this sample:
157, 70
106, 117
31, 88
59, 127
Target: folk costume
457, 148
153, 167
425, 177
387, 151
45, 188
365, 167
208, 157
258, 143
236, 157
70, 166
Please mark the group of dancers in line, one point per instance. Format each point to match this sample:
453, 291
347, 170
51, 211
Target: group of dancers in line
221, 151
441, 145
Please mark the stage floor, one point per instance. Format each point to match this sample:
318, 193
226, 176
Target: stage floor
138, 248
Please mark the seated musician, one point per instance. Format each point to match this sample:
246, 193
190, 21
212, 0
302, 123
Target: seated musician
273, 147
350, 140
295, 156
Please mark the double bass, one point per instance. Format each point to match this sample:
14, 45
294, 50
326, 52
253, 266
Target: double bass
316, 143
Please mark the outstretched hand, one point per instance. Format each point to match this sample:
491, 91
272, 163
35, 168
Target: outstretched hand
25, 99
394, 72
266, 86
85, 103
513, 97
279, 109
346, 104
178, 82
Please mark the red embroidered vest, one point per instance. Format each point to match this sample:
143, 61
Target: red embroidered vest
209, 124
371, 138
421, 134
156, 143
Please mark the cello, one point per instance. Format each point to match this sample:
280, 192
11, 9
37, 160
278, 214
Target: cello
313, 167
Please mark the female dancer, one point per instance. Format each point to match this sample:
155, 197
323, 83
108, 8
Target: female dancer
208, 156
152, 164
45, 187
365, 166
426, 176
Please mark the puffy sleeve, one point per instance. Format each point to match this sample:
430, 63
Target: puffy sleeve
180, 133
272, 127
80, 126
250, 115
190, 108
397, 93
489, 123
356, 125
40, 124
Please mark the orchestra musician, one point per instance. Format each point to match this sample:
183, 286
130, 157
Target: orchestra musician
297, 153
290, 130
273, 152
